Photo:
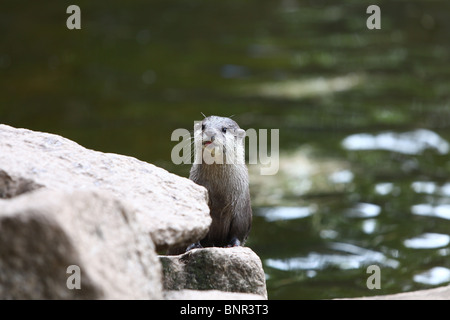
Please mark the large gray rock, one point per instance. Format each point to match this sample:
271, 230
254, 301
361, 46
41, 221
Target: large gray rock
172, 209
63, 205
236, 269
44, 232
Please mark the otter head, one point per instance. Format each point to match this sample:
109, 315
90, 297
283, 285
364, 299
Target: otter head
222, 140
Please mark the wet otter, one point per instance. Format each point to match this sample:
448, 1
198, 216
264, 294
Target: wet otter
226, 178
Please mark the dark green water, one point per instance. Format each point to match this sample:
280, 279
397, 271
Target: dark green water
138, 70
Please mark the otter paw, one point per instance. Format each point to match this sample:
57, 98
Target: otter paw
196, 245
233, 243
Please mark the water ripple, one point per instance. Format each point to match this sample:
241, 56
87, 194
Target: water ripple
424, 209
364, 210
412, 142
286, 213
349, 257
428, 241
434, 276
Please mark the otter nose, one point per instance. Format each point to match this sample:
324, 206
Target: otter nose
209, 139
209, 135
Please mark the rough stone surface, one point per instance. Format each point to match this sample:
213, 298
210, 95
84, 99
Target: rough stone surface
63, 205
442, 293
236, 269
43, 232
172, 209
209, 295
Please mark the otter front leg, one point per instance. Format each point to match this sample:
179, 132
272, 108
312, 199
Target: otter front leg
240, 228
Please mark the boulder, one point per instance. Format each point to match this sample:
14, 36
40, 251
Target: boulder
72, 216
172, 209
43, 233
236, 269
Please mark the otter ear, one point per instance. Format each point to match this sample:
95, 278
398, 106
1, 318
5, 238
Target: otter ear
240, 133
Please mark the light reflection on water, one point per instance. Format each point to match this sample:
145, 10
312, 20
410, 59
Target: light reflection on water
286, 213
369, 226
347, 256
355, 221
366, 225
428, 241
343, 176
434, 276
425, 209
364, 210
384, 188
430, 187
413, 142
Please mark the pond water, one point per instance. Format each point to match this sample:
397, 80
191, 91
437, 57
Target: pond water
364, 117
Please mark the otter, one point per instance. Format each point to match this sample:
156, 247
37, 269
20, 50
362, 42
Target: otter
226, 180
220, 167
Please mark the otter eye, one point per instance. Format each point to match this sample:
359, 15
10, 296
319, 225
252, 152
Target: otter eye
203, 127
224, 130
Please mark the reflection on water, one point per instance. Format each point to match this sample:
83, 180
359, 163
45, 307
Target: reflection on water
230, 71
343, 176
345, 221
384, 188
328, 234
414, 142
425, 209
434, 276
424, 187
295, 89
428, 241
346, 256
430, 187
369, 226
364, 210
285, 213
441, 206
